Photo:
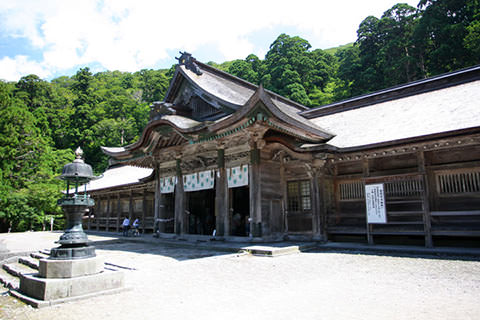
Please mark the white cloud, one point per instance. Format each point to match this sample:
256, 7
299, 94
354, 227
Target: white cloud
130, 35
14, 69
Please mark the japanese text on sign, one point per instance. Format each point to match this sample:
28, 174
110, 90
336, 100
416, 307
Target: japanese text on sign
375, 201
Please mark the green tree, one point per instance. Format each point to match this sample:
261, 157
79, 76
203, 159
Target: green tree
349, 69
370, 77
154, 84
244, 70
443, 30
28, 165
292, 70
397, 55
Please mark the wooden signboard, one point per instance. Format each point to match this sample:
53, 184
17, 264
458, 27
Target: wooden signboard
375, 203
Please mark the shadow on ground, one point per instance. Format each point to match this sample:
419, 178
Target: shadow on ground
397, 254
161, 249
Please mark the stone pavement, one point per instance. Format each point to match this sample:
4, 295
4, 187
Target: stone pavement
203, 280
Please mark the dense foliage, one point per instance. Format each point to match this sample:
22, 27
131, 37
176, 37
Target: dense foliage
403, 45
42, 122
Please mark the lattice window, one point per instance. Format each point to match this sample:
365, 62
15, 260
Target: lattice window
298, 195
459, 182
404, 188
352, 190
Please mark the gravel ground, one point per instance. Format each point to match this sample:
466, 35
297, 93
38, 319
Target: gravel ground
176, 283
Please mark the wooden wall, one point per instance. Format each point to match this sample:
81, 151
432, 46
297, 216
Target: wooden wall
428, 194
112, 207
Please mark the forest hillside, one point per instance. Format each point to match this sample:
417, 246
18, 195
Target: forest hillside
42, 122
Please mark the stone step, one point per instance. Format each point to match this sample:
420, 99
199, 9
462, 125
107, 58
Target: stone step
39, 255
29, 262
9, 281
16, 268
45, 252
273, 251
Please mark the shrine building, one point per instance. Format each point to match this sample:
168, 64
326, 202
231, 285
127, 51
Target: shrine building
224, 158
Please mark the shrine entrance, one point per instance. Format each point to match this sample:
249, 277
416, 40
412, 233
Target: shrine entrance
201, 212
240, 210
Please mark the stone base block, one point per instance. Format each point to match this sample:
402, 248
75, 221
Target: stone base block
70, 268
57, 289
69, 252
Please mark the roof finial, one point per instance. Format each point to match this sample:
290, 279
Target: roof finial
188, 61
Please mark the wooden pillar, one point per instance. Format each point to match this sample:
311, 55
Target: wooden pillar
90, 212
119, 210
180, 225
313, 175
222, 217
98, 213
255, 193
283, 183
109, 207
318, 204
323, 207
156, 205
130, 205
369, 227
427, 224
162, 211
144, 208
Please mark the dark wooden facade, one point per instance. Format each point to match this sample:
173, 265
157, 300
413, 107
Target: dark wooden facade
299, 185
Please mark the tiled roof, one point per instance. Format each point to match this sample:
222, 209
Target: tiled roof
443, 110
118, 176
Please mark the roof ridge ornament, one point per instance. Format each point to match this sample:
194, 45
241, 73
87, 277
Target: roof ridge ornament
188, 61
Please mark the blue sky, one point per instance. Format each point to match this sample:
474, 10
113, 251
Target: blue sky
51, 38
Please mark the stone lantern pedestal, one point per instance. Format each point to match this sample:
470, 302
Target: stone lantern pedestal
72, 271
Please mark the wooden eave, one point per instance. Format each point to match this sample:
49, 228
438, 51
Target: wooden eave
285, 123
152, 138
395, 143
213, 100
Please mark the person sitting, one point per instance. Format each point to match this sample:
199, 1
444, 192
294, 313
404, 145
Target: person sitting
136, 225
125, 226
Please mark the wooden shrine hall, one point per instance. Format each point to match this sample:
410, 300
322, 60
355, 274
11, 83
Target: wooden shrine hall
223, 157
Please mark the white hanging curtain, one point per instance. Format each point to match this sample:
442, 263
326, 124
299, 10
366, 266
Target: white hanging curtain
167, 184
237, 176
198, 181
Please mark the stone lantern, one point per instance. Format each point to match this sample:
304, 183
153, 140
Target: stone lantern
72, 271
74, 242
